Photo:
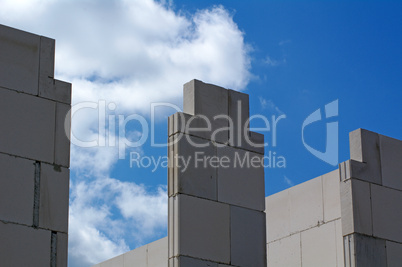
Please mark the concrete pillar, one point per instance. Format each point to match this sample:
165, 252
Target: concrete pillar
34, 152
215, 181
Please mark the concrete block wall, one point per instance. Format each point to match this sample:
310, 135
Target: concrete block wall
216, 208
349, 217
34, 152
304, 224
371, 200
154, 254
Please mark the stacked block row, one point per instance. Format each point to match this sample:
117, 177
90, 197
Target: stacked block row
371, 198
34, 152
304, 224
151, 255
216, 202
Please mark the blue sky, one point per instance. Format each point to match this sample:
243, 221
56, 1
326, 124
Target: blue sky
291, 57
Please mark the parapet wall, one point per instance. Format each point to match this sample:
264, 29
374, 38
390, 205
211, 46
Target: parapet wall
34, 152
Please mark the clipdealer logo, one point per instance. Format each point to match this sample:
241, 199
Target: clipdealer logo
112, 131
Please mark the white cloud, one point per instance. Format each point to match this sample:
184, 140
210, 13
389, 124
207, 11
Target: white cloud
105, 213
131, 53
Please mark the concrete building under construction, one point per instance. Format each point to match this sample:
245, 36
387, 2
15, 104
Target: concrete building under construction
218, 215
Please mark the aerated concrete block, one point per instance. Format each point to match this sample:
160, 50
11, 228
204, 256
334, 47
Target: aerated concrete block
198, 125
62, 249
62, 135
361, 250
278, 215
355, 207
171, 165
248, 242
54, 192
19, 60
170, 125
191, 262
318, 246
254, 142
114, 262
365, 147
370, 251
386, 213
194, 173
173, 235
208, 100
56, 90
331, 195
241, 178
306, 205
203, 229
136, 257
340, 260
24, 246
285, 252
239, 116
33, 126
394, 254
354, 169
158, 253
391, 162
16, 189
46, 66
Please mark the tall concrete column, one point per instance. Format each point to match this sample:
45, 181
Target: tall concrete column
215, 181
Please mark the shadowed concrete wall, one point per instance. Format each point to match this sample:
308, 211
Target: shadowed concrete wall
34, 152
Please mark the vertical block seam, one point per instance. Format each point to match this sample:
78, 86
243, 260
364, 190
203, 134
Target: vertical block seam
53, 249
36, 203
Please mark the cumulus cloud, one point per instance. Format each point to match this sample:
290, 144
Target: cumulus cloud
130, 53
105, 212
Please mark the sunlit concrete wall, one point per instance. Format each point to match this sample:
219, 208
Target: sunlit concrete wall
34, 152
154, 254
304, 224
